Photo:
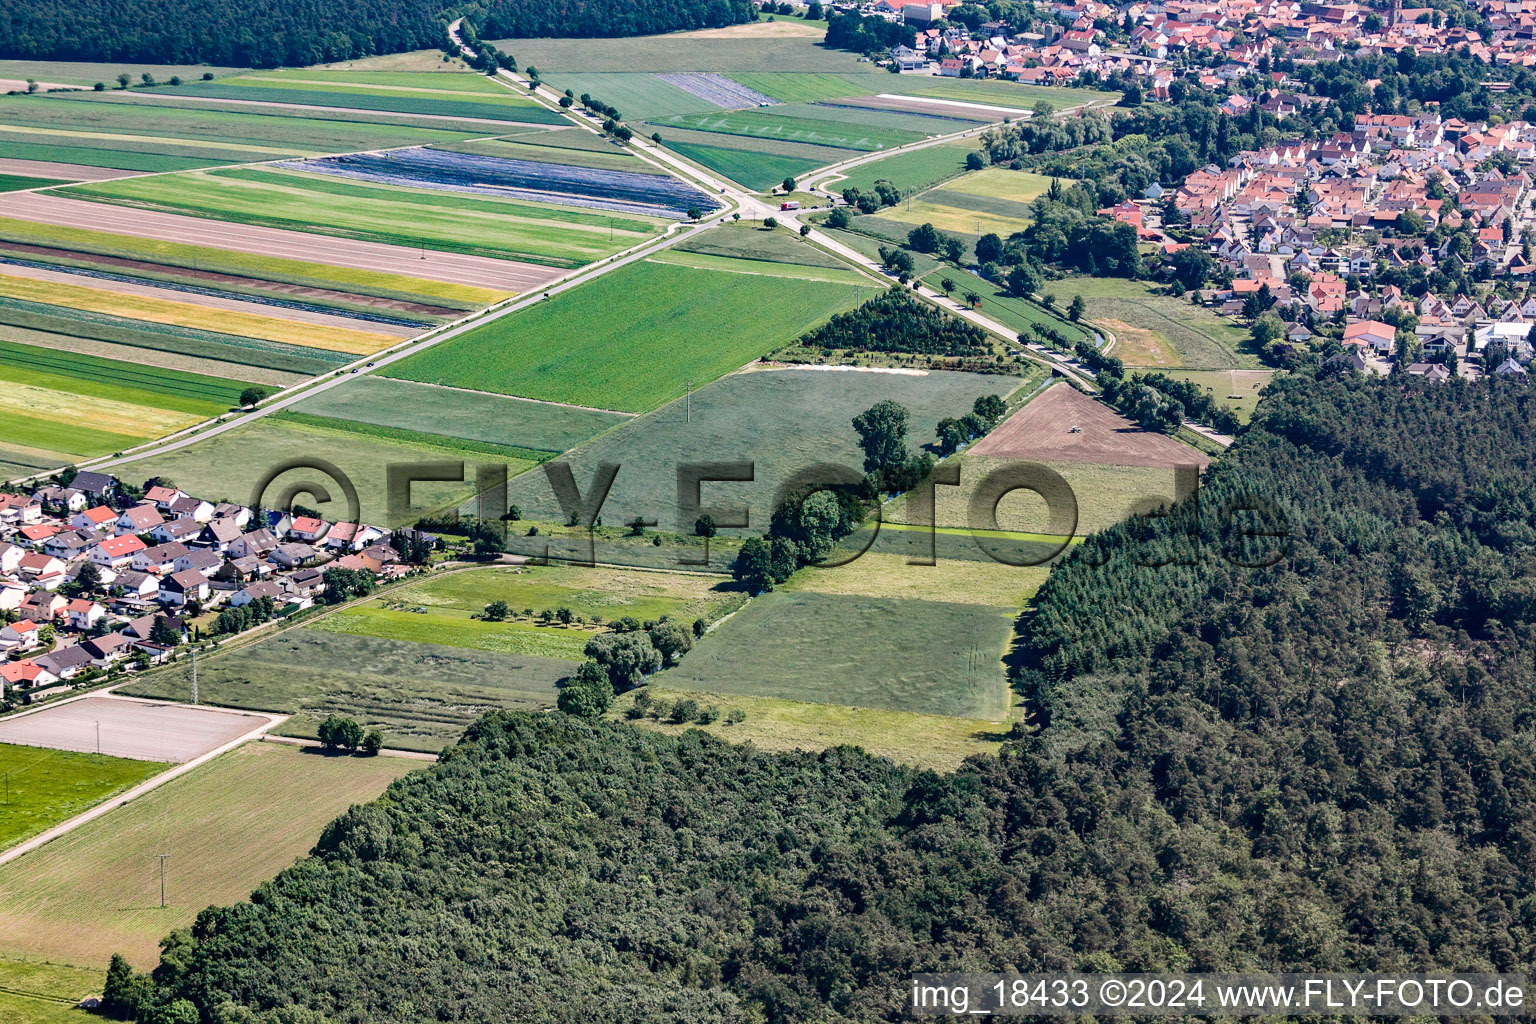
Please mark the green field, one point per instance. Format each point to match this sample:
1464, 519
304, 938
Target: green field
165, 127
474, 415
636, 338
128, 382
39, 992
246, 374
765, 124
1199, 338
752, 242
390, 621
639, 96
230, 465
227, 826
503, 106
1239, 390
80, 73
17, 182
422, 695
453, 222
759, 47
756, 171
782, 421
911, 171
51, 786
898, 654
807, 87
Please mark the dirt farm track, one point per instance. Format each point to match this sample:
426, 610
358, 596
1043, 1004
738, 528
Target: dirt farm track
1043, 429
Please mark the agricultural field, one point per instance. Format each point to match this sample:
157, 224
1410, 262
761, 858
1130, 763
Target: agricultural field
910, 172
769, 124
783, 45
896, 654
456, 413
385, 214
227, 826
553, 147
754, 170
17, 183
780, 420
639, 96
938, 742
364, 677
87, 74
120, 727
636, 338
752, 242
1238, 390
1064, 425
1160, 330
231, 464
39, 992
614, 191
44, 787
447, 611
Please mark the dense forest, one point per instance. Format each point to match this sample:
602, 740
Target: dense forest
893, 321
1323, 763
269, 33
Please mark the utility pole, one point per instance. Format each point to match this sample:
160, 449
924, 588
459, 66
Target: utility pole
162, 858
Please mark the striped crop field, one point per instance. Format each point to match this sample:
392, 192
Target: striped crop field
182, 314
89, 375
765, 124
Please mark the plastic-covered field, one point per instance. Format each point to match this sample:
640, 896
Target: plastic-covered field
622, 191
717, 89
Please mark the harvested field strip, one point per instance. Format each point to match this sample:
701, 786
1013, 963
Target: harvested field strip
183, 341
19, 460
465, 83
620, 191
417, 437
245, 374
198, 317
756, 171
768, 125
443, 105
385, 214
1007, 208
54, 435
129, 376
162, 281
66, 408
569, 137
1064, 425
153, 145
1001, 183
55, 171
851, 112
473, 415
242, 265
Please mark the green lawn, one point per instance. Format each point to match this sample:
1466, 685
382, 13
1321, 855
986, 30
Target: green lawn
636, 338
481, 225
897, 654
422, 695
847, 133
51, 786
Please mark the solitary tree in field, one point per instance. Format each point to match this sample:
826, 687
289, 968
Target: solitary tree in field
147, 78
123, 80
1076, 309
882, 430
947, 284
496, 611
789, 184
252, 396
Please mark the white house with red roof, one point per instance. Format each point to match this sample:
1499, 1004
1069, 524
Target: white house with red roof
1376, 335
99, 518
19, 636
84, 613
115, 552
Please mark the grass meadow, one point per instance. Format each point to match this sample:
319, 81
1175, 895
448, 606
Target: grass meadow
910, 172
423, 696
1198, 338
895, 654
636, 338
227, 826
754, 170
765, 124
40, 992
47, 787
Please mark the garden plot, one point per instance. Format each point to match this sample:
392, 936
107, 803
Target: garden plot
646, 195
717, 90
134, 729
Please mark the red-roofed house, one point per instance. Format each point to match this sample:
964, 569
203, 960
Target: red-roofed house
115, 552
1374, 334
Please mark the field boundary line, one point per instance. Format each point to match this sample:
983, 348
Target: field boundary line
148, 786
